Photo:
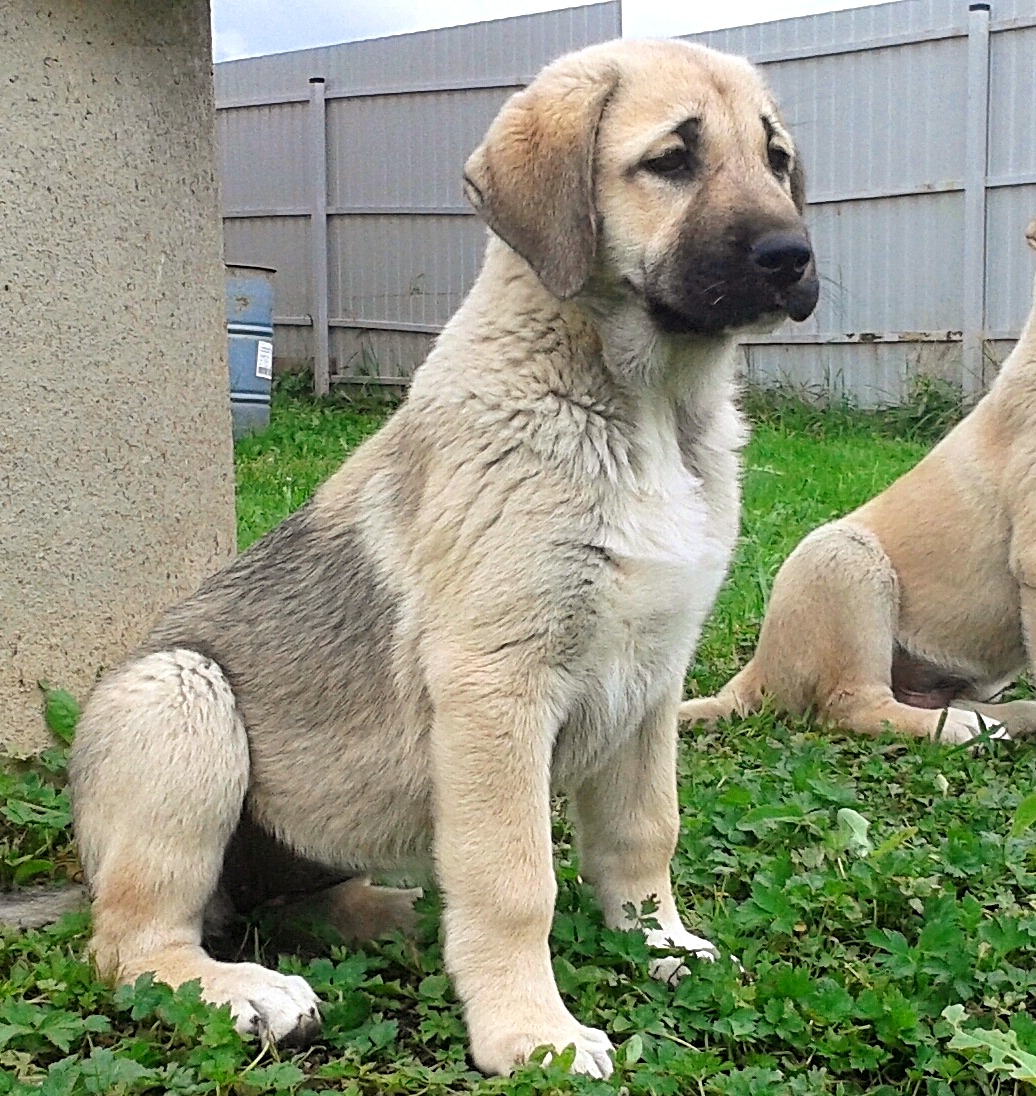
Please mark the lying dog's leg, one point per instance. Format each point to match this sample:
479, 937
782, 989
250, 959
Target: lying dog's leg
627, 823
353, 913
827, 644
491, 753
873, 712
827, 638
740, 696
158, 775
1018, 717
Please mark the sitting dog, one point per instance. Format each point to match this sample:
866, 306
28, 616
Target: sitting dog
919, 608
497, 596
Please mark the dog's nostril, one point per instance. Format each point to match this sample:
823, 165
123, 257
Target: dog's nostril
782, 257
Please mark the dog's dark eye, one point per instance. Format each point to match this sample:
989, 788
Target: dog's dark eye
673, 163
780, 161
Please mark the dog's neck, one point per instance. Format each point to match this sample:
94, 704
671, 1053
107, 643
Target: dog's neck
691, 370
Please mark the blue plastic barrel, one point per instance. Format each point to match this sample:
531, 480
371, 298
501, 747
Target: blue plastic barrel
250, 345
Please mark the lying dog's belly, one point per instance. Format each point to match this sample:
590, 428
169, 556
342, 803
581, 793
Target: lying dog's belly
923, 685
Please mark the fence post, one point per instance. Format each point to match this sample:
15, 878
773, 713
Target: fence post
318, 236
976, 158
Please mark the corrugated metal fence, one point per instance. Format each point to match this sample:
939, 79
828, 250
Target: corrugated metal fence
376, 251
916, 119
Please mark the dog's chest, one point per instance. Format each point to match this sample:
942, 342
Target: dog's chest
668, 552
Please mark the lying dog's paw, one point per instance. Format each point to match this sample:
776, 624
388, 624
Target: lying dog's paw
361, 911
275, 1008
502, 1049
962, 726
671, 968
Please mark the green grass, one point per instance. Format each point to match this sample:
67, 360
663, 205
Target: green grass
801, 469
280, 468
884, 913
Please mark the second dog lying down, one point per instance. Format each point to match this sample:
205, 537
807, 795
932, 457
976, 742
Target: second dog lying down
919, 607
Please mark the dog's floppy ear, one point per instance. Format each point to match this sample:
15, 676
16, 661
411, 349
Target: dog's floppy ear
531, 179
797, 183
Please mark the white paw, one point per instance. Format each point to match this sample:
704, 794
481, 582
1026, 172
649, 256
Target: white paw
672, 968
276, 1008
962, 726
593, 1053
501, 1051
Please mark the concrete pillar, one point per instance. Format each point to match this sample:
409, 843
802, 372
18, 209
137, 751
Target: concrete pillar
116, 467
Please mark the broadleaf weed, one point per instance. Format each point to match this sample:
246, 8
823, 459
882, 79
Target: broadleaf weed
879, 893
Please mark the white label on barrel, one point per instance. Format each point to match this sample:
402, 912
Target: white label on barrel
264, 360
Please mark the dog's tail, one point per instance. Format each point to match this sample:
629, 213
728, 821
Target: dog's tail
740, 696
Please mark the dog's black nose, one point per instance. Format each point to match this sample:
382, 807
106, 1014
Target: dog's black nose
781, 257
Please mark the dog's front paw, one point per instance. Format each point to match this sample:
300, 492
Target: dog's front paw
671, 968
501, 1050
275, 1008
962, 726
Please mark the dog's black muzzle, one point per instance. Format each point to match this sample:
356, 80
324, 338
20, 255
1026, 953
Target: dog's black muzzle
785, 261
737, 279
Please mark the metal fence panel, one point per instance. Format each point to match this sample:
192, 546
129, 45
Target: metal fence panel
395, 118
405, 152
918, 238
283, 243
476, 55
402, 271
915, 121
888, 265
265, 159
1012, 174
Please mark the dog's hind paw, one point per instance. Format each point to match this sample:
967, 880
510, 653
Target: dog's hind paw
361, 911
671, 968
275, 1008
962, 726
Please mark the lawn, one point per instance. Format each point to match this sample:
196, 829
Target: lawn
883, 909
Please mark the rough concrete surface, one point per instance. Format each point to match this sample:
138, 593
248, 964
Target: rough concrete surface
37, 906
116, 473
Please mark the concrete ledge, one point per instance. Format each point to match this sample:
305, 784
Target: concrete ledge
116, 469
38, 906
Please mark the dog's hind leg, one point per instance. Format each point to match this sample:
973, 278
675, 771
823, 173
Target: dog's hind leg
158, 773
1018, 717
829, 636
361, 911
831, 626
357, 910
875, 711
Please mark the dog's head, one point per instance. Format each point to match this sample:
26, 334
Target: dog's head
656, 170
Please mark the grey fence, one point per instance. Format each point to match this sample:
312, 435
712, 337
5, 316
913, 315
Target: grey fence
917, 122
341, 167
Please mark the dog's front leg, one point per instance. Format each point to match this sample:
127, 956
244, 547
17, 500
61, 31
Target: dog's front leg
491, 751
627, 823
1018, 717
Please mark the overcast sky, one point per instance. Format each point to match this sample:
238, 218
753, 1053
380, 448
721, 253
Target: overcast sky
247, 28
